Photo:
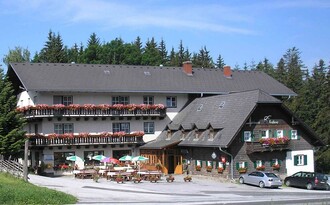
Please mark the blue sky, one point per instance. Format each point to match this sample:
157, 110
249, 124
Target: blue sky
240, 30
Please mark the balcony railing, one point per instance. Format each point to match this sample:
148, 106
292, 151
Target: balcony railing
252, 147
93, 111
79, 140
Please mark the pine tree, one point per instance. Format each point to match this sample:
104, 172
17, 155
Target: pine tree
293, 66
92, 53
53, 51
163, 52
220, 62
11, 123
151, 55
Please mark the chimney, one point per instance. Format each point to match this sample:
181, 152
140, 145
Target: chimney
187, 68
227, 71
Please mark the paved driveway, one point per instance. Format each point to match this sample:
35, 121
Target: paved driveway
201, 190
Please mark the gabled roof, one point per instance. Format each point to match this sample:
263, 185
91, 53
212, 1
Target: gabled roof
123, 78
225, 113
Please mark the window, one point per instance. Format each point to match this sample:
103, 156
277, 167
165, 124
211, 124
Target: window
120, 100
63, 128
259, 163
121, 127
242, 165
264, 133
149, 100
294, 134
200, 107
279, 133
171, 101
60, 158
275, 162
149, 127
62, 99
220, 165
88, 157
247, 136
300, 160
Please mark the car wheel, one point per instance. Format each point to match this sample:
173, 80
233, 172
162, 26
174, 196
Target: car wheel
241, 180
261, 184
287, 183
309, 186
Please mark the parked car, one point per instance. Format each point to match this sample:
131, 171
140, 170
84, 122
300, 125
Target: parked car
309, 180
261, 179
328, 181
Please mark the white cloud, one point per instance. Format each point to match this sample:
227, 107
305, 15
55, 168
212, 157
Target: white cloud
109, 14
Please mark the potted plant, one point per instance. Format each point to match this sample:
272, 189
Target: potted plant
260, 168
220, 170
276, 167
198, 167
242, 170
209, 168
170, 178
96, 177
119, 179
188, 178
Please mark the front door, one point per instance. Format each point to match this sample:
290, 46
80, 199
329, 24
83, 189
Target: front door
171, 164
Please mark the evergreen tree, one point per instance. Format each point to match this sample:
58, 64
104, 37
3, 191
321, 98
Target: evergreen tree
151, 55
204, 60
53, 51
173, 61
18, 55
163, 52
220, 62
92, 54
280, 73
253, 65
180, 54
11, 123
293, 66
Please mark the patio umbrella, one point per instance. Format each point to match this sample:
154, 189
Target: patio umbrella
98, 157
125, 158
110, 160
74, 158
139, 158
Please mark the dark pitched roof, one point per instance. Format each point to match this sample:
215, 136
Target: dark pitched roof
124, 78
224, 113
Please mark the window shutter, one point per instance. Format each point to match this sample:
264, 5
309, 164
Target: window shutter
298, 134
279, 162
262, 162
243, 136
237, 165
295, 160
305, 159
275, 133
255, 164
290, 134
245, 164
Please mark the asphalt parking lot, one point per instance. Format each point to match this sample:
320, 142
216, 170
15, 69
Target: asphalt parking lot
202, 190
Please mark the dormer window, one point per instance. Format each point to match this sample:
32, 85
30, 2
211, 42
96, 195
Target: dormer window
169, 134
211, 133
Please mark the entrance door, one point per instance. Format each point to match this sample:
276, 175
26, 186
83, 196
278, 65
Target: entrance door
171, 164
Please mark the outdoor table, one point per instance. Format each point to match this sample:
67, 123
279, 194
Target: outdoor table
85, 174
149, 174
103, 172
112, 175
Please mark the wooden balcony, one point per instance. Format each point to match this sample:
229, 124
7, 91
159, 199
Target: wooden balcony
91, 140
46, 113
252, 147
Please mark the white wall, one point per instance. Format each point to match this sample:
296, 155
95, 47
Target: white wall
291, 168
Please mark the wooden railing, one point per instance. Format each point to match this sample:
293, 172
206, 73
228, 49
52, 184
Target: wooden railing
94, 112
252, 147
11, 167
92, 140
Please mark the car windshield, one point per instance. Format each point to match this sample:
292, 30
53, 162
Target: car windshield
271, 175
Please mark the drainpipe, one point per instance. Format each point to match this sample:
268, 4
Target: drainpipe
231, 162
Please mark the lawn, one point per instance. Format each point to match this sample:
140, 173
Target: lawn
16, 191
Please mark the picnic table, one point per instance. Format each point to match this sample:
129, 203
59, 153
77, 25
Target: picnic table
84, 174
113, 175
150, 175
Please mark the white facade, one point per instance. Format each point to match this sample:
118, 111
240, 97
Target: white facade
293, 168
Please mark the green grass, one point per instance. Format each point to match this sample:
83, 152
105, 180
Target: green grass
17, 191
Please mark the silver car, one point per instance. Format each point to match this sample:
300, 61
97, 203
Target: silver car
261, 179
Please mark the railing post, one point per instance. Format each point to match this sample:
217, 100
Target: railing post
25, 162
